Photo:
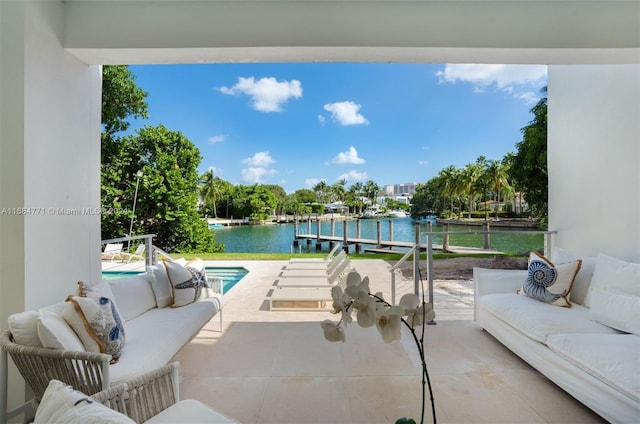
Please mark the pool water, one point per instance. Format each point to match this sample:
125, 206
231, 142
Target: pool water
230, 275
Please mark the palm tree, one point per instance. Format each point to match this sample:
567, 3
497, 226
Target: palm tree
449, 184
371, 190
470, 176
210, 190
338, 191
354, 197
321, 191
497, 176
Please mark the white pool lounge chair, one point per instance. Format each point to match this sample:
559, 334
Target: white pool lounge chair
327, 258
324, 265
338, 277
112, 252
137, 255
296, 298
340, 263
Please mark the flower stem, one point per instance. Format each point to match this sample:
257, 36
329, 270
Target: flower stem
426, 380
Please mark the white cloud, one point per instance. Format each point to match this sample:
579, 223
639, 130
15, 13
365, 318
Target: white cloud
312, 182
423, 162
267, 94
216, 139
348, 157
520, 81
254, 175
260, 159
258, 167
321, 119
346, 113
353, 176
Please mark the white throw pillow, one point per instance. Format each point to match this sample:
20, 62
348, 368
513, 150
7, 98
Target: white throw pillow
133, 295
583, 279
24, 328
615, 274
550, 283
160, 285
55, 333
616, 310
188, 283
62, 405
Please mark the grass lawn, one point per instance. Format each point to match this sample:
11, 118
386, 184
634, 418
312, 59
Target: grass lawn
287, 256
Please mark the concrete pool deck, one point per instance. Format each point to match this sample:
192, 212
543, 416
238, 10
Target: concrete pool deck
276, 367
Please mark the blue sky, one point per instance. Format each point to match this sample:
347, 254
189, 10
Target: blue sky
295, 124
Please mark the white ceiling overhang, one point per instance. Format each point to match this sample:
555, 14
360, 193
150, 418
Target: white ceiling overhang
203, 31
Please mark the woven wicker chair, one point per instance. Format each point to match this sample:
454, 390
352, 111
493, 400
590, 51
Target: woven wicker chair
84, 371
144, 396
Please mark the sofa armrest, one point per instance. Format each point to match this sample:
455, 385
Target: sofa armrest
145, 396
87, 372
489, 281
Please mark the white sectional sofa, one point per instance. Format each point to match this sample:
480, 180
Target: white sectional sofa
591, 349
154, 331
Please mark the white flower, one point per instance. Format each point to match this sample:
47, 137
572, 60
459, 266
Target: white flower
409, 301
359, 290
424, 313
341, 303
332, 331
415, 311
366, 311
389, 321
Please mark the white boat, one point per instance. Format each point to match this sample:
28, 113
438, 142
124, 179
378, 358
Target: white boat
397, 213
370, 213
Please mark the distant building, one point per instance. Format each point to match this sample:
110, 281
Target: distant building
405, 189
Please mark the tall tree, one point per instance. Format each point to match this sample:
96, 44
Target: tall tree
322, 190
529, 165
121, 99
210, 191
497, 174
371, 190
167, 203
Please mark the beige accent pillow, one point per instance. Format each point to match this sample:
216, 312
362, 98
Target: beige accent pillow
550, 283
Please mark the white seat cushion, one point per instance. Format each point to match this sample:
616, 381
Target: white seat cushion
539, 320
189, 411
154, 337
614, 359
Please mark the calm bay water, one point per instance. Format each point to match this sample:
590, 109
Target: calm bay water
278, 238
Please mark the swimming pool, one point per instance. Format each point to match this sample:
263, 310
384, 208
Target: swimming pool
230, 275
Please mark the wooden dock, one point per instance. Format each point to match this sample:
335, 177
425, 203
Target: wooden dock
386, 246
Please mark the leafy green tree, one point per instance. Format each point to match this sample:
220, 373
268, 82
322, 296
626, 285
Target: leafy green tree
253, 201
427, 200
305, 195
121, 99
167, 203
167, 195
529, 166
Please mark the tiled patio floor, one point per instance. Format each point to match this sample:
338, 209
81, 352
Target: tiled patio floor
276, 367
